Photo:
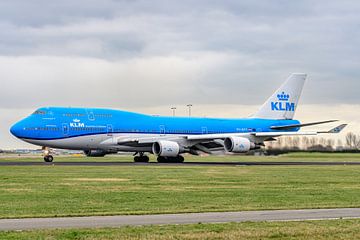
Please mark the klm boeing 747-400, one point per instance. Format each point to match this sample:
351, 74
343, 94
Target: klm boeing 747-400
102, 131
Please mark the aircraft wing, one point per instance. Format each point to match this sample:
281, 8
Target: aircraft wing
206, 137
211, 142
140, 141
278, 134
301, 133
221, 136
287, 127
264, 134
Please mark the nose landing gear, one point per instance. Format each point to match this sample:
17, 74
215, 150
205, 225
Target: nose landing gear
47, 154
48, 158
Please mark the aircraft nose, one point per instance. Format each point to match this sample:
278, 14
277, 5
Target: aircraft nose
15, 129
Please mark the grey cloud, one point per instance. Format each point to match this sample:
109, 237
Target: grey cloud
151, 54
250, 46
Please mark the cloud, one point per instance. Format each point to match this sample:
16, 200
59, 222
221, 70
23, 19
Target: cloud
134, 54
268, 40
45, 80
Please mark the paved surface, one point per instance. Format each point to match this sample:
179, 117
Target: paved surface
221, 217
94, 163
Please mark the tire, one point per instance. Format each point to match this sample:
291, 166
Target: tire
180, 159
48, 158
141, 159
161, 159
145, 158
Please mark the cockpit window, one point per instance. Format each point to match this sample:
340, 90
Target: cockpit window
39, 112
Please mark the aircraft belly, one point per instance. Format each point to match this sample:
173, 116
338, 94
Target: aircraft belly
74, 143
90, 142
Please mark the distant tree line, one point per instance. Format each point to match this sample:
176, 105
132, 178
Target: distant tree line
314, 144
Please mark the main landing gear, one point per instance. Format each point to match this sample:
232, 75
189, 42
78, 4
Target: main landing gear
47, 155
141, 158
177, 159
144, 158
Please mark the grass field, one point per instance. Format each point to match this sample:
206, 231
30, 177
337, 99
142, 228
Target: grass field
39, 191
332, 229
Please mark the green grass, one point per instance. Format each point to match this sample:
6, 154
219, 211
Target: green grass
39, 191
300, 156
331, 229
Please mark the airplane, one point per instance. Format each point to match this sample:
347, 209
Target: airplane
99, 131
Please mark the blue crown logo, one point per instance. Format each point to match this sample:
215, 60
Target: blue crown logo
283, 96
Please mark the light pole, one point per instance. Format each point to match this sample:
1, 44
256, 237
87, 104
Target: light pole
173, 111
189, 106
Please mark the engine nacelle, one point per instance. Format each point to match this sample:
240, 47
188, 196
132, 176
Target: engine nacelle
95, 153
166, 148
238, 144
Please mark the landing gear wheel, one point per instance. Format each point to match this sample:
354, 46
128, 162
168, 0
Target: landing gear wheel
177, 159
180, 159
48, 158
161, 159
143, 158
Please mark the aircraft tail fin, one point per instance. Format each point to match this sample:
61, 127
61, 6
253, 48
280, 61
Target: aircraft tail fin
282, 104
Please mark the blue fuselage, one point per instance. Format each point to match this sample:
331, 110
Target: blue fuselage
60, 123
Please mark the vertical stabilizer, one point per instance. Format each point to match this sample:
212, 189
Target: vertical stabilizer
282, 104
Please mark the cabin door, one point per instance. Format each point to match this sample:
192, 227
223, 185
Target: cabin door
162, 130
204, 130
90, 114
109, 130
65, 128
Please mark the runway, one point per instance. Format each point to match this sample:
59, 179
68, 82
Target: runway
187, 218
95, 163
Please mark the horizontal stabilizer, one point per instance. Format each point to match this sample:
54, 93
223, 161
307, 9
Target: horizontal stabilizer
288, 127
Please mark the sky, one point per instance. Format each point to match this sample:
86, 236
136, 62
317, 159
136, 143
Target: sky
224, 57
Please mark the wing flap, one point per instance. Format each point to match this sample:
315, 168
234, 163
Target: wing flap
278, 134
214, 136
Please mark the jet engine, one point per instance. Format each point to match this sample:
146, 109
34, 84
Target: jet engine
166, 148
95, 153
238, 144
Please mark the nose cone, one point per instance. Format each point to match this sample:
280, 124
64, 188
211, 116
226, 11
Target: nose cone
16, 129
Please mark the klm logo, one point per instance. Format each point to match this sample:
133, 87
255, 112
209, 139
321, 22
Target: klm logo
283, 103
77, 123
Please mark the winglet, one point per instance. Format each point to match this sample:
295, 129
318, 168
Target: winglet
338, 128
335, 129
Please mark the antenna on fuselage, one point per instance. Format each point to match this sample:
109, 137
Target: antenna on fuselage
189, 106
